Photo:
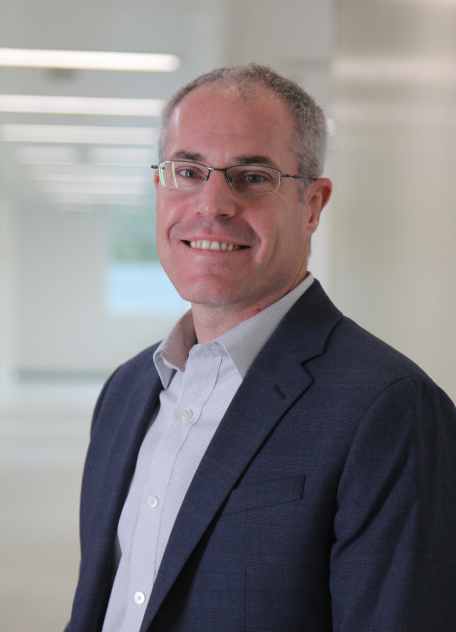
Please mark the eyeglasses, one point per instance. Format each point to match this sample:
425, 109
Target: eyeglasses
246, 180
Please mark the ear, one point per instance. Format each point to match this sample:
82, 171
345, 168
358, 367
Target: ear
316, 198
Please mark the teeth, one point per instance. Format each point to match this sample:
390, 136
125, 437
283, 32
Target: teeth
204, 244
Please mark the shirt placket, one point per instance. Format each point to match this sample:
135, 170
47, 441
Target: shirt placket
199, 379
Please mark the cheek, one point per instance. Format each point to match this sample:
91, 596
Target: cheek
291, 237
161, 235
163, 219
275, 233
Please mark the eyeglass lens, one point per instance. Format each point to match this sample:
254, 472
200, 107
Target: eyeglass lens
244, 179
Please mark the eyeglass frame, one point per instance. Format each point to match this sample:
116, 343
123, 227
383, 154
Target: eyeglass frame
281, 175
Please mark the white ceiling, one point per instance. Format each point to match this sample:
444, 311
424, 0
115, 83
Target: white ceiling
295, 36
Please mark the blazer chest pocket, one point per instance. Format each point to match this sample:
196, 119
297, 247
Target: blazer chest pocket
285, 490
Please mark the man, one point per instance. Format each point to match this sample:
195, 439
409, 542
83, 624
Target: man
269, 466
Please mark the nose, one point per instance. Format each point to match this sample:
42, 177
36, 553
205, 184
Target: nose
216, 198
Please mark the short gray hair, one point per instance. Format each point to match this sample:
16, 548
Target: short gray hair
310, 122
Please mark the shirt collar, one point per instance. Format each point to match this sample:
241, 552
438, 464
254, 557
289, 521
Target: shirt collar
242, 343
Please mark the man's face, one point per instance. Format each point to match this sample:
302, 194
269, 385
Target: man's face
271, 232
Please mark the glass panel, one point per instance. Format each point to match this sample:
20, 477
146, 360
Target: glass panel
136, 284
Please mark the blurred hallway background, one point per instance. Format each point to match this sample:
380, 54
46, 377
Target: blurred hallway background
81, 289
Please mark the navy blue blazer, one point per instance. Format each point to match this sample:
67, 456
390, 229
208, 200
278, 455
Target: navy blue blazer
325, 501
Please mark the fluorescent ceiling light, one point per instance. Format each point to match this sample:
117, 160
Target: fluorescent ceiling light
47, 155
62, 177
88, 60
84, 198
80, 105
78, 134
37, 171
121, 156
95, 188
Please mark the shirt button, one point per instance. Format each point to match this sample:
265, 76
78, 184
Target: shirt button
186, 414
166, 363
152, 502
140, 597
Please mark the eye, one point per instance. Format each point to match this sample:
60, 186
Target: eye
184, 172
254, 178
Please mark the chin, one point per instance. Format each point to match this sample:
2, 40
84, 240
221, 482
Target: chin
208, 293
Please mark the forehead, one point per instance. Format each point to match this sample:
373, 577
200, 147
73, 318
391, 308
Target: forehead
221, 125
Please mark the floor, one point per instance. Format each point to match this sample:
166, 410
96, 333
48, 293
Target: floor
43, 439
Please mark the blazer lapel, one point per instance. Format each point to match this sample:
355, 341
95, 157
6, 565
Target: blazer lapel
274, 382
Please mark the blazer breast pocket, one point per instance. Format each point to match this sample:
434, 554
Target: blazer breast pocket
285, 490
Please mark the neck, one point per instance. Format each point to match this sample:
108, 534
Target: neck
211, 321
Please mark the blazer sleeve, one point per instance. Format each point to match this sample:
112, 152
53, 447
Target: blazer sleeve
393, 560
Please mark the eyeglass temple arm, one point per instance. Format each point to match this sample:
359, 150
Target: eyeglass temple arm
288, 175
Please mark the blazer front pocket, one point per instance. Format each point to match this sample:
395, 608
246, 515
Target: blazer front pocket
285, 490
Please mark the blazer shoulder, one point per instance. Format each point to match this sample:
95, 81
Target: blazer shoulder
119, 385
332, 345
129, 370
358, 351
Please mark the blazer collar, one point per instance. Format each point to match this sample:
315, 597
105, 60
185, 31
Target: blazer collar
307, 326
274, 382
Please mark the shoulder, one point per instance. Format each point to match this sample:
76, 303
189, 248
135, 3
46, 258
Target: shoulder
357, 349
139, 363
130, 371
339, 351
138, 373
360, 369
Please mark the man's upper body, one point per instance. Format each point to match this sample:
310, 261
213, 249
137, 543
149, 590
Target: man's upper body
269, 466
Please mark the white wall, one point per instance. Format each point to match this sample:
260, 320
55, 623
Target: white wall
395, 209
7, 301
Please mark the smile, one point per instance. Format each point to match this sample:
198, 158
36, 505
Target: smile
204, 244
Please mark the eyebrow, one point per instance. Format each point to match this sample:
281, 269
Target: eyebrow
243, 159
254, 159
188, 155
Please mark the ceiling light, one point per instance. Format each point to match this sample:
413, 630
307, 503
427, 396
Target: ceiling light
38, 171
88, 60
121, 156
69, 177
78, 134
59, 177
47, 155
95, 188
80, 105
84, 198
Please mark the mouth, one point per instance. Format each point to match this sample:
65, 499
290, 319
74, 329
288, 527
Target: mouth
204, 244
